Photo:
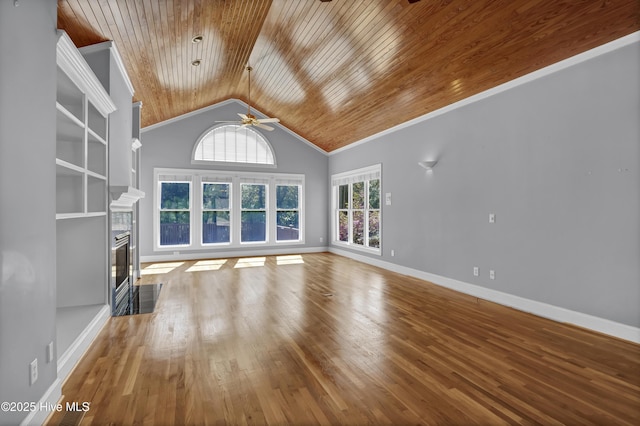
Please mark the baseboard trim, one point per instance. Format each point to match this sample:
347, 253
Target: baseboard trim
49, 399
66, 363
220, 254
68, 360
545, 310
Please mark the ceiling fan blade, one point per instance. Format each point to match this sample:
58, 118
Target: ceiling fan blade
234, 121
243, 116
263, 126
269, 120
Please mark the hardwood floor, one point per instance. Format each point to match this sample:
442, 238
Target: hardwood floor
322, 339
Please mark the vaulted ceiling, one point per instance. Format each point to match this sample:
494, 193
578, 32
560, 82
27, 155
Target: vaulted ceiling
337, 71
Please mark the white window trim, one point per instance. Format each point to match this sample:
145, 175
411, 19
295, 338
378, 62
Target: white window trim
158, 210
348, 177
197, 175
267, 212
202, 210
276, 210
231, 163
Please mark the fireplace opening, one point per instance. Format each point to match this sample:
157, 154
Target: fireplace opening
127, 298
121, 262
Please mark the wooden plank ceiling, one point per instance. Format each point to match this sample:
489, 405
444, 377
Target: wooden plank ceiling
337, 71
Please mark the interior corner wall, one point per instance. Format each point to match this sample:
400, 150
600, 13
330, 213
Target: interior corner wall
28, 206
171, 146
555, 159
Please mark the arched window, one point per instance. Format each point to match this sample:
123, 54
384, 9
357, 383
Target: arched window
233, 144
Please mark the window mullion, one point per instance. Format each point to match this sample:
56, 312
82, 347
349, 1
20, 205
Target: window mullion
236, 223
365, 205
350, 208
195, 205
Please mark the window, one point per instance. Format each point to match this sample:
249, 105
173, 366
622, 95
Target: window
343, 213
356, 220
254, 212
229, 209
373, 213
175, 211
216, 212
233, 144
287, 212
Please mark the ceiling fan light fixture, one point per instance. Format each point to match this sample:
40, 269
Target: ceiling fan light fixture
249, 119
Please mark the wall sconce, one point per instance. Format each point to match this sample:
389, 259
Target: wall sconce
428, 165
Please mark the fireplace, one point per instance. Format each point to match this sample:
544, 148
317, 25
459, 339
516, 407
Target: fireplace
121, 261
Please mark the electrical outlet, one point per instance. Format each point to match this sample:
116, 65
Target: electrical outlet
49, 352
476, 271
33, 371
322, 239
393, 253
492, 274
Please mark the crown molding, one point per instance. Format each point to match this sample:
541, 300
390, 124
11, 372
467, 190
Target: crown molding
543, 72
72, 63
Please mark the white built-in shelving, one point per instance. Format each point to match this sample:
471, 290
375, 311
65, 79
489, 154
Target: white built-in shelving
81, 152
82, 255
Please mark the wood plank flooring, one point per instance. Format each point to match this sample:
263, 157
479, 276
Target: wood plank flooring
322, 339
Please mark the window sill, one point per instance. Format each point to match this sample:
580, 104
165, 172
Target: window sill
357, 247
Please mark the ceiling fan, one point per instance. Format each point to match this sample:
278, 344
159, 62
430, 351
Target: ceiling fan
249, 119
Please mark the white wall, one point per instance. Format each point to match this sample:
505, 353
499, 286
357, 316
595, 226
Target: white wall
28, 206
556, 159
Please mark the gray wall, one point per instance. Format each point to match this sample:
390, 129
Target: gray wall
171, 145
27, 222
556, 160
100, 59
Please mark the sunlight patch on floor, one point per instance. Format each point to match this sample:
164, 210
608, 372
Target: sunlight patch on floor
289, 260
160, 268
250, 262
207, 265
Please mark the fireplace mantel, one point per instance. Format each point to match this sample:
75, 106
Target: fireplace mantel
124, 197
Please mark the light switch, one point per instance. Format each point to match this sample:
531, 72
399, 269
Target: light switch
492, 218
387, 198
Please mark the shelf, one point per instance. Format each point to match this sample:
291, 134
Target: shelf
96, 194
94, 137
62, 216
69, 96
96, 122
70, 323
70, 141
96, 175
69, 188
96, 156
64, 113
64, 168
76, 327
